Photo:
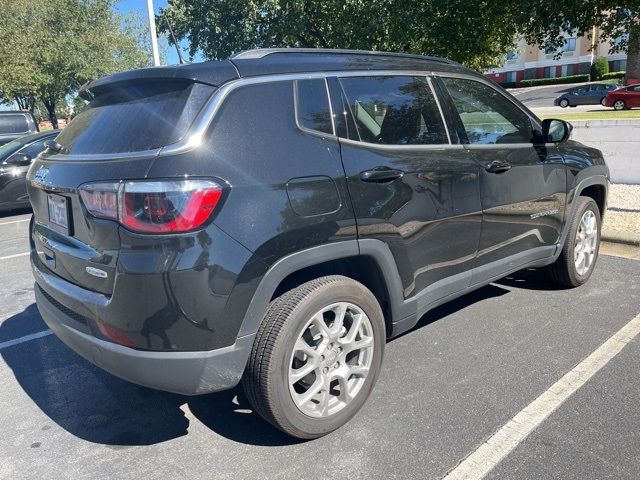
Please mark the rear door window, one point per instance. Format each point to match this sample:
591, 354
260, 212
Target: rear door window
135, 118
13, 123
394, 110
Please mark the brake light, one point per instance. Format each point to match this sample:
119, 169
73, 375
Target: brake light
171, 206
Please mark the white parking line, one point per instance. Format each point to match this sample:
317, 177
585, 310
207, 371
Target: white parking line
501, 443
26, 338
15, 256
14, 221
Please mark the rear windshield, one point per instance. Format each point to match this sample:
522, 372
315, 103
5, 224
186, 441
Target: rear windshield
13, 123
136, 118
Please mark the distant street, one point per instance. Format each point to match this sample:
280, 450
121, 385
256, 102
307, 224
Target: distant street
534, 97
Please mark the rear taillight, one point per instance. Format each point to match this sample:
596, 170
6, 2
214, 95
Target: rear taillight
170, 206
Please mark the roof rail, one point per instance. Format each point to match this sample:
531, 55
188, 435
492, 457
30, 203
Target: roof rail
264, 52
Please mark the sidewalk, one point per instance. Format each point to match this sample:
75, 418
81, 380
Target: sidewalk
623, 210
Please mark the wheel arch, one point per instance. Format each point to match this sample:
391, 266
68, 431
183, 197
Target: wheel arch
368, 262
595, 185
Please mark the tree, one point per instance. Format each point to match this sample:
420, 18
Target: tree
49, 48
599, 68
476, 33
546, 24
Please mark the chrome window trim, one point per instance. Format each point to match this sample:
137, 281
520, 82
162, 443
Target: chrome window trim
308, 130
205, 117
420, 147
195, 134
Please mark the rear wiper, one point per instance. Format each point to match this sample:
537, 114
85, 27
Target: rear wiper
53, 146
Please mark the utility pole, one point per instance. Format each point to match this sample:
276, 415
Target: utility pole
152, 31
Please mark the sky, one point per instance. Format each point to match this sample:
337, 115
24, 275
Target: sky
140, 6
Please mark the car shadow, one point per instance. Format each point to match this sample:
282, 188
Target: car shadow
101, 408
529, 279
14, 212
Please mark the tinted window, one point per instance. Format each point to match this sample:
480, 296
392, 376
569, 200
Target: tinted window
136, 118
312, 105
13, 123
488, 117
36, 147
394, 110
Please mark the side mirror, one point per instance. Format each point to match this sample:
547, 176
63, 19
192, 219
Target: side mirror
556, 131
19, 159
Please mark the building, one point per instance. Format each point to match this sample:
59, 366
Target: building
529, 61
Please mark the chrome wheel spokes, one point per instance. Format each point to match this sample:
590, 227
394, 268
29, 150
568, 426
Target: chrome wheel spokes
586, 243
331, 359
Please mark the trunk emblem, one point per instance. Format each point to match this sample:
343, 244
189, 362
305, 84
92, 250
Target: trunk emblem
96, 272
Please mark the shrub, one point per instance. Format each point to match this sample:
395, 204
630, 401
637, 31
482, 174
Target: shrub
610, 75
555, 81
508, 84
599, 68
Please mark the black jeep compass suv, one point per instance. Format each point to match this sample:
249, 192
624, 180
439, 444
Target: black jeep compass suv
274, 218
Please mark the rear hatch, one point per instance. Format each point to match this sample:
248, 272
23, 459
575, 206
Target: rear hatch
115, 139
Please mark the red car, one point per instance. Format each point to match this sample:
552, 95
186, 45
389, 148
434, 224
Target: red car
624, 98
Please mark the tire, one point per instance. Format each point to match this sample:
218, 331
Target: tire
603, 101
564, 103
292, 319
619, 105
566, 270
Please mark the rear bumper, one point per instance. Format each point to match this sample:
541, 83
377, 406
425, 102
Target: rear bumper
187, 373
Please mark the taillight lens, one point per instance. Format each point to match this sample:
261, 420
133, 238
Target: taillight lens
156, 206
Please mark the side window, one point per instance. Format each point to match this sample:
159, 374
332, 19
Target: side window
312, 105
394, 110
488, 117
35, 148
13, 124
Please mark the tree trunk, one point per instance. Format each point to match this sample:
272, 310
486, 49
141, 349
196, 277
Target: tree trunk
25, 102
50, 105
633, 57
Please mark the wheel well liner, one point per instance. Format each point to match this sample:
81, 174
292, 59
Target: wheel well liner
598, 193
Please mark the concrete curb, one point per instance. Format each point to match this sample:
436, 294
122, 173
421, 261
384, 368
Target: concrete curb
624, 238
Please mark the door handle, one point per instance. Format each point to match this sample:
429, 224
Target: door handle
498, 167
380, 175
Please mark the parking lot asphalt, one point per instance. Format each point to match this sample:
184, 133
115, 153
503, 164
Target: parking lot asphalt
446, 386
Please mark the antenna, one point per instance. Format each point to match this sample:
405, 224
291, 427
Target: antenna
175, 42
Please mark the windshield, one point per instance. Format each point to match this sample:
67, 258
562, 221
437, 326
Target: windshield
135, 118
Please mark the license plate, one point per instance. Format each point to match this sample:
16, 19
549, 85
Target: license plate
58, 213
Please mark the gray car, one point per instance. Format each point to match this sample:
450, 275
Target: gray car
16, 123
593, 94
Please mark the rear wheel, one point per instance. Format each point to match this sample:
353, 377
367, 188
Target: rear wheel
578, 258
564, 103
619, 105
316, 356
603, 101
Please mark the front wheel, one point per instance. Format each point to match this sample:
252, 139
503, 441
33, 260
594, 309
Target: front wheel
564, 103
619, 105
316, 356
578, 258
603, 101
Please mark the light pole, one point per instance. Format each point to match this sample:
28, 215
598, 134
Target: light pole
152, 31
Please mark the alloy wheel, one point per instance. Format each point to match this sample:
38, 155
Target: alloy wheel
331, 359
586, 243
